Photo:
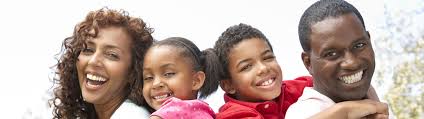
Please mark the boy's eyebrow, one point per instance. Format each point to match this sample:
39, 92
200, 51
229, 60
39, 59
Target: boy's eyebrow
266, 51
242, 61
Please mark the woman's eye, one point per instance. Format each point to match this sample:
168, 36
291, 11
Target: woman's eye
87, 51
112, 55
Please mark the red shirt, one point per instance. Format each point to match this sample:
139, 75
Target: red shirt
291, 90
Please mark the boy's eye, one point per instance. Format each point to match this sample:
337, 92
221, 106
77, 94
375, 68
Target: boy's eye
169, 74
246, 67
359, 45
269, 58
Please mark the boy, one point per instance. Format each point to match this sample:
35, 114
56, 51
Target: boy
339, 56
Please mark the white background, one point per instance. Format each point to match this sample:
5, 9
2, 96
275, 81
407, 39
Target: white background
32, 33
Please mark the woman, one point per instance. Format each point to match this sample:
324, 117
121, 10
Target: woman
100, 69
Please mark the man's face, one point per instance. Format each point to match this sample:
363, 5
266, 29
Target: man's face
341, 58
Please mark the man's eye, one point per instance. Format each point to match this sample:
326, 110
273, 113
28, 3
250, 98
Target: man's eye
330, 54
359, 45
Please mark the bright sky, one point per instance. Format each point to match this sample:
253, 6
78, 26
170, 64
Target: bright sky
32, 32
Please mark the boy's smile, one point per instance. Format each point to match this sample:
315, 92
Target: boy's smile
255, 73
341, 58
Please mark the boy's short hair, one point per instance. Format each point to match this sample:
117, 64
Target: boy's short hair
319, 11
232, 36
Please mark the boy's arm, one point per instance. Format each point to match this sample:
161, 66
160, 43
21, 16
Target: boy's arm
355, 110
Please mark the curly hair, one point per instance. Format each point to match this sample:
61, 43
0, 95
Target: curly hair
231, 37
68, 102
320, 11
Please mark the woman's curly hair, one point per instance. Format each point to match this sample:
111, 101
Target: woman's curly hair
68, 102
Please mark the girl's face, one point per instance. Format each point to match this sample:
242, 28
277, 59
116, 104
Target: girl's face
103, 66
255, 73
166, 73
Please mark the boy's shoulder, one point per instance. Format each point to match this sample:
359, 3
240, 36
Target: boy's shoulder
232, 110
298, 83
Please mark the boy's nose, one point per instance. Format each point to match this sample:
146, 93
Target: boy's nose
263, 68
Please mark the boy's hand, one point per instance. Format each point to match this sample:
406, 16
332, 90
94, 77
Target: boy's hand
365, 109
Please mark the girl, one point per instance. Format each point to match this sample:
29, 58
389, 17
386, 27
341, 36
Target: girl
99, 69
175, 71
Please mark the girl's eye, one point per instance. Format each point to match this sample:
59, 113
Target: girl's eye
169, 74
148, 78
359, 45
246, 67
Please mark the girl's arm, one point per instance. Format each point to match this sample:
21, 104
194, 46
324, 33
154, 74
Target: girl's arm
175, 108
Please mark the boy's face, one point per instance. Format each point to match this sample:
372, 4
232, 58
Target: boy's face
254, 70
341, 59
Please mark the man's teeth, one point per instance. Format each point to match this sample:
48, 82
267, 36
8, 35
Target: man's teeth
162, 96
268, 82
352, 78
95, 78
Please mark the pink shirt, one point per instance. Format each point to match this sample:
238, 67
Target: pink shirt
310, 103
174, 108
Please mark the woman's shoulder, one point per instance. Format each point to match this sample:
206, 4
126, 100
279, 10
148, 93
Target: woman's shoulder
129, 110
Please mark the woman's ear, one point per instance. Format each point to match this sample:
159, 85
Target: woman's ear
198, 80
226, 85
306, 59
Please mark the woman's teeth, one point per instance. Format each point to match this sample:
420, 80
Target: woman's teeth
352, 78
95, 80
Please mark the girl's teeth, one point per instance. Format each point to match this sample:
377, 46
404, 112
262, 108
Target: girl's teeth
162, 96
352, 78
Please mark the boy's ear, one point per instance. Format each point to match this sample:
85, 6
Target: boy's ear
198, 80
306, 58
226, 85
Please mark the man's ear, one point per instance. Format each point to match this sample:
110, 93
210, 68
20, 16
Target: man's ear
226, 85
198, 80
306, 58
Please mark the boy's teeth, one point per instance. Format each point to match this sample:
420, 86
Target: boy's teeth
352, 78
265, 83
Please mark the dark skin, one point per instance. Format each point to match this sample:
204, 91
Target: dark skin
341, 61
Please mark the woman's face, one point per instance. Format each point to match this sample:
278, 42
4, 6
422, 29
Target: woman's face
103, 67
166, 74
